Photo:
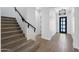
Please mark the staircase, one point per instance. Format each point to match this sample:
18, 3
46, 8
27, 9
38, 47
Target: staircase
13, 39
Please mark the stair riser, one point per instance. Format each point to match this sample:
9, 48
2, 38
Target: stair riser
12, 33
10, 29
5, 26
11, 39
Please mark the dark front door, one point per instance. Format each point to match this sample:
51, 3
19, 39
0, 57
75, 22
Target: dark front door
63, 24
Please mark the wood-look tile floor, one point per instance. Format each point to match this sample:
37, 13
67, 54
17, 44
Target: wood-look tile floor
58, 43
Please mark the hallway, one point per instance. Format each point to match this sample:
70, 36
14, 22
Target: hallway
50, 29
58, 43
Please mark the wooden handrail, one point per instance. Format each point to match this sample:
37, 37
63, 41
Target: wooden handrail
25, 20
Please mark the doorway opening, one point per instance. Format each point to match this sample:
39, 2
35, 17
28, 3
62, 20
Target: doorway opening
63, 24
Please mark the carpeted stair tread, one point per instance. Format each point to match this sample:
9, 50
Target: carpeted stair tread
16, 44
11, 36
9, 25
15, 37
8, 22
10, 29
12, 42
8, 33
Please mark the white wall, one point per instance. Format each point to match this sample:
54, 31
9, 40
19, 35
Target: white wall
48, 23
0, 28
23, 11
38, 20
30, 16
70, 21
32, 20
7, 11
22, 24
52, 21
45, 23
76, 33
